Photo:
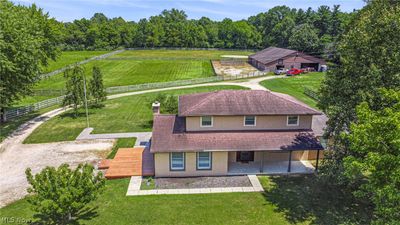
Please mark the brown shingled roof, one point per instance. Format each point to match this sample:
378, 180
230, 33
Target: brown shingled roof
169, 135
242, 102
272, 54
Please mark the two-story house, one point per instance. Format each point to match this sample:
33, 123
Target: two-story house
234, 132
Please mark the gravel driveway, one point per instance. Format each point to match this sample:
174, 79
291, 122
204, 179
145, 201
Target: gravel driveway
15, 160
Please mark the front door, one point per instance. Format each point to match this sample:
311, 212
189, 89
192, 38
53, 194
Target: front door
244, 156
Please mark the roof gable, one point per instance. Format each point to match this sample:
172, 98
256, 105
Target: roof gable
242, 102
272, 54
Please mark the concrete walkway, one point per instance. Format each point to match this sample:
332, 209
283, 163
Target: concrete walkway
142, 138
133, 189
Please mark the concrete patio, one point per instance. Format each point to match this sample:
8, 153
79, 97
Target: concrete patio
270, 168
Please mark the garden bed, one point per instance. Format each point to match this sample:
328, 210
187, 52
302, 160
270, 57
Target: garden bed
195, 182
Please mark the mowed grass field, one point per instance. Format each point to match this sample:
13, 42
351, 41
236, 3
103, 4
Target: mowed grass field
70, 57
126, 114
148, 66
121, 72
295, 85
286, 200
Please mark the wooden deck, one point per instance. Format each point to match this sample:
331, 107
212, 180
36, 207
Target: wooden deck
128, 162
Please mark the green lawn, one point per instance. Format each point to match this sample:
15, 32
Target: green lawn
121, 143
70, 57
126, 114
287, 200
295, 85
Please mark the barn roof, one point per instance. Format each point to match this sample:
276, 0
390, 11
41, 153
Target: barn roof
272, 54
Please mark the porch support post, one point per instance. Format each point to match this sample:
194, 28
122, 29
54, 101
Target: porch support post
262, 163
316, 165
290, 162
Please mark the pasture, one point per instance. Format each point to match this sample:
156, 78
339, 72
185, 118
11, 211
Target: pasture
148, 66
121, 72
70, 57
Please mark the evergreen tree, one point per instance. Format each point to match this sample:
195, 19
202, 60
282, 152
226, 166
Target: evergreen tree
96, 86
74, 88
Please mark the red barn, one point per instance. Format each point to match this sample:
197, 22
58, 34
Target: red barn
273, 58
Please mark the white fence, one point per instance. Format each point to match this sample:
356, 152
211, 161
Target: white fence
182, 48
81, 62
17, 112
139, 87
21, 111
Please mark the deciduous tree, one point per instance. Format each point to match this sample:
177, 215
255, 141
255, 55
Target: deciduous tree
28, 40
374, 162
304, 38
60, 196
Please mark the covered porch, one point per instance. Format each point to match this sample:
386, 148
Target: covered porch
273, 162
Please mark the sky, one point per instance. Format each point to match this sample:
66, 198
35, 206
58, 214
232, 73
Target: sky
133, 10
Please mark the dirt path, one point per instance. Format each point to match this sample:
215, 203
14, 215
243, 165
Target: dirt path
15, 156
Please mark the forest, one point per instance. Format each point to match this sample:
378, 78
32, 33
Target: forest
311, 31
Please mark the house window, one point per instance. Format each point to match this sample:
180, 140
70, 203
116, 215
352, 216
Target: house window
177, 161
280, 61
293, 120
206, 121
249, 120
204, 160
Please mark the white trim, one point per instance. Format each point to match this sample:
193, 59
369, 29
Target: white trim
183, 162
201, 121
244, 122
292, 125
198, 167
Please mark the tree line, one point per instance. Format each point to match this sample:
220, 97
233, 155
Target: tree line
306, 30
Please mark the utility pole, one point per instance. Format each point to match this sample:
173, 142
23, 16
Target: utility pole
86, 106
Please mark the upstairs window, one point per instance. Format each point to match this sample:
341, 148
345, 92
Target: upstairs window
177, 161
249, 120
204, 160
206, 121
293, 120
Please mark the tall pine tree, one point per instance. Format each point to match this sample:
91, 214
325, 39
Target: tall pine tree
96, 87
